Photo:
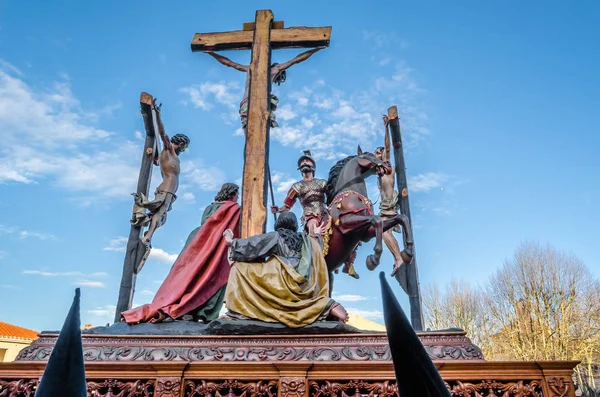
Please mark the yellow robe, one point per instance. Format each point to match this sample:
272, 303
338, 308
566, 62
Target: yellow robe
274, 292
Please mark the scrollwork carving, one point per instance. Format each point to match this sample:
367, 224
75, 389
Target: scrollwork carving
248, 348
230, 388
489, 388
167, 387
18, 388
113, 387
559, 387
293, 387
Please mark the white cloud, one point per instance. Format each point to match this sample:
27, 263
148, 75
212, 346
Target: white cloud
147, 292
45, 132
228, 93
282, 182
162, 256
64, 274
90, 283
426, 182
349, 298
116, 244
205, 178
103, 311
23, 234
41, 236
371, 314
189, 197
285, 112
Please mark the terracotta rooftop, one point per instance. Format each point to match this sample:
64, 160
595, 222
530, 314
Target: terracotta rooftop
12, 331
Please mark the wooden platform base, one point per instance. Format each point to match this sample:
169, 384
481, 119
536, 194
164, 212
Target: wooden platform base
280, 366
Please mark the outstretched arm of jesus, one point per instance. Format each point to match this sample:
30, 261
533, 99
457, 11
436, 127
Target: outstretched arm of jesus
228, 62
299, 58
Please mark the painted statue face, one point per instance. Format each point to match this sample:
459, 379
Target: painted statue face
307, 166
306, 161
379, 153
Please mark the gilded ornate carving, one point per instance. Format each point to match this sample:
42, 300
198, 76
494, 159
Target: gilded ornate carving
18, 388
294, 348
293, 387
559, 387
113, 387
230, 388
168, 387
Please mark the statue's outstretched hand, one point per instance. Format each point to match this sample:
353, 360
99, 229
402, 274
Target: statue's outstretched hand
155, 106
274, 209
321, 229
228, 236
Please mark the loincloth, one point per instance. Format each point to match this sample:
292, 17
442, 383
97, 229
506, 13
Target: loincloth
244, 112
142, 204
389, 205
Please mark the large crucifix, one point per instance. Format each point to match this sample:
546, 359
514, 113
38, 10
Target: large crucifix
261, 37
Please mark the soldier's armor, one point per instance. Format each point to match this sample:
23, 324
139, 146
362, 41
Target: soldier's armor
311, 195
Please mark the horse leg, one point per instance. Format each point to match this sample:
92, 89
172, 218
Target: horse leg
409, 243
357, 222
403, 221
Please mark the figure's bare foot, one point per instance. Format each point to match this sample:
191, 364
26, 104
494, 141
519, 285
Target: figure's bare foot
147, 249
338, 313
399, 273
396, 268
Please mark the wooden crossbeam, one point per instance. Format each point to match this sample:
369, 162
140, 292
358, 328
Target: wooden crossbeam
296, 37
261, 36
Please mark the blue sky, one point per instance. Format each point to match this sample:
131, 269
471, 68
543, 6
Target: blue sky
499, 105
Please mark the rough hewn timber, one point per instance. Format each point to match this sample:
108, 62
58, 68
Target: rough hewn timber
254, 186
132, 254
412, 274
295, 37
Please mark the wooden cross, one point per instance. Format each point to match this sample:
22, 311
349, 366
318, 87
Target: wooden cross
261, 37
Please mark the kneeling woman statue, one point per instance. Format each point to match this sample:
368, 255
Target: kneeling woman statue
280, 277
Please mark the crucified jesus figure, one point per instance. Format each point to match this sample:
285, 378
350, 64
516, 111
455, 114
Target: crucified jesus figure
165, 194
278, 76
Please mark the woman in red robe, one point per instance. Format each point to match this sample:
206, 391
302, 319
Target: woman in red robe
196, 283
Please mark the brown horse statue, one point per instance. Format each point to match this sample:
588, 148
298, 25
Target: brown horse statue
351, 217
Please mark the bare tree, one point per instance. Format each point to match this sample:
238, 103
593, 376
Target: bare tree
548, 306
458, 306
542, 304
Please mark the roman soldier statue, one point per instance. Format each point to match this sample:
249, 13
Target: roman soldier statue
311, 193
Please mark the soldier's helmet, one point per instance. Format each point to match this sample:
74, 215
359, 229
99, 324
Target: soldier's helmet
307, 156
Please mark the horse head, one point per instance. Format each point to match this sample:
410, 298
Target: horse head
350, 173
368, 161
